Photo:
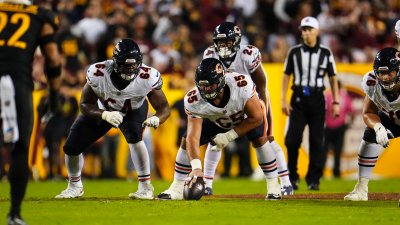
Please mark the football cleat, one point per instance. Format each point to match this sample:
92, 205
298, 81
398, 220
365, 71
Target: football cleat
174, 192
356, 196
274, 189
295, 184
313, 187
360, 193
272, 197
71, 192
15, 220
208, 191
287, 190
146, 193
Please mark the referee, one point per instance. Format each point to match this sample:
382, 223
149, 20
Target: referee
308, 62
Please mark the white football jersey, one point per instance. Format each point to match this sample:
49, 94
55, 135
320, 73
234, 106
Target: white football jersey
130, 98
247, 60
375, 93
241, 88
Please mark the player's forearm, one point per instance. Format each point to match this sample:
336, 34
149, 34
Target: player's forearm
261, 93
192, 148
247, 125
163, 112
370, 119
91, 110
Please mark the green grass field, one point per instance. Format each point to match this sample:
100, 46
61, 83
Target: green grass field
106, 202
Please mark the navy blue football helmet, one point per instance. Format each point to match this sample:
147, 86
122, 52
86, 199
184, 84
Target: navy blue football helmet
224, 32
210, 78
387, 60
127, 59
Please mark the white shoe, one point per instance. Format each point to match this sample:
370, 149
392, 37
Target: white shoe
145, 193
71, 192
360, 193
174, 192
274, 189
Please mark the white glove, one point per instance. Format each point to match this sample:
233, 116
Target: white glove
222, 140
153, 121
115, 118
382, 135
397, 29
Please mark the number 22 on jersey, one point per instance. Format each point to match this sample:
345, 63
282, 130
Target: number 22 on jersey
21, 20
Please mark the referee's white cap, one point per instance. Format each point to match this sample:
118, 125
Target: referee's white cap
309, 21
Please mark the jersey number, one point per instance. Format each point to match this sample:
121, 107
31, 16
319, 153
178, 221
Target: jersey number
192, 97
98, 72
248, 50
226, 123
24, 22
145, 75
240, 81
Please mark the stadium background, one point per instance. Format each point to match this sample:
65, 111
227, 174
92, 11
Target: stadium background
354, 29
164, 137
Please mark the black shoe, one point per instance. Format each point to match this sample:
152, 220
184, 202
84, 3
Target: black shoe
208, 191
313, 187
15, 220
295, 184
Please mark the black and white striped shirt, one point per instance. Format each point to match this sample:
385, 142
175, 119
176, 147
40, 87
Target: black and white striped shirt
309, 65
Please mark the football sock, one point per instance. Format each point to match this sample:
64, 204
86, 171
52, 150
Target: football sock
182, 165
141, 161
267, 161
283, 171
367, 158
74, 164
18, 177
211, 160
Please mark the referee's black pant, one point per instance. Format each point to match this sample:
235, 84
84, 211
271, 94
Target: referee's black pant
306, 110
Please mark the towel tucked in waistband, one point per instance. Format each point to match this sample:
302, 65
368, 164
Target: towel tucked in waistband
8, 110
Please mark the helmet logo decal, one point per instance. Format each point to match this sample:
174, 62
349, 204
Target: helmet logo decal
219, 68
221, 35
237, 29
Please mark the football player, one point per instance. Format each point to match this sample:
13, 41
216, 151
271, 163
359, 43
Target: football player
222, 107
24, 27
115, 96
381, 115
227, 107
244, 59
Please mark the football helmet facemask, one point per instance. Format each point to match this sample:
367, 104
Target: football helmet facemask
226, 39
127, 59
210, 78
387, 60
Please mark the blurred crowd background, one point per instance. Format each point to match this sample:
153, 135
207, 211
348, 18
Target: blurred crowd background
173, 35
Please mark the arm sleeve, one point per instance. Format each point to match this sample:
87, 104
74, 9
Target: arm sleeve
288, 66
331, 69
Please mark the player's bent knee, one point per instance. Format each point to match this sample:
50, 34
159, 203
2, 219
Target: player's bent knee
69, 150
259, 142
271, 138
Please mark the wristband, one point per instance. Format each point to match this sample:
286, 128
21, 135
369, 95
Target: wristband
196, 164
